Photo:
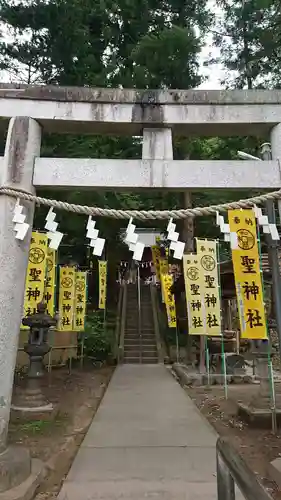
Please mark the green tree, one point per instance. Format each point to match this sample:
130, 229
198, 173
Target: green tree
248, 35
145, 44
100, 43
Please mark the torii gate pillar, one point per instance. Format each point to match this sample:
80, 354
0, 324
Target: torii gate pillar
22, 146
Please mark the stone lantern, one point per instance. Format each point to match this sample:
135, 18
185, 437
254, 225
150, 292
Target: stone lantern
31, 399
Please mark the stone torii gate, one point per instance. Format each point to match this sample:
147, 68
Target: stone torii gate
26, 111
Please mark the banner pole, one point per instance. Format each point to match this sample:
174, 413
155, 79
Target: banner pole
222, 336
139, 310
273, 398
105, 301
224, 369
104, 317
86, 310
49, 369
207, 360
82, 351
269, 362
177, 344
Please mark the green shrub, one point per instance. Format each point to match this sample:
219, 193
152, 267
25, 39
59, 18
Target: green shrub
98, 339
171, 337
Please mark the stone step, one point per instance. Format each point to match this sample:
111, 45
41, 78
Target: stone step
133, 312
135, 320
135, 328
145, 334
133, 342
147, 322
138, 347
145, 347
145, 342
144, 330
140, 353
136, 336
143, 361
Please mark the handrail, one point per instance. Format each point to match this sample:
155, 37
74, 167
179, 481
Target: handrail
118, 321
122, 325
139, 313
233, 469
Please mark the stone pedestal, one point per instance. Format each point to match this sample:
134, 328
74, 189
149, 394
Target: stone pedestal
15, 467
20, 475
29, 402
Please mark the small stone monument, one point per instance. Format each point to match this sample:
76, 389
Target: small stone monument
30, 401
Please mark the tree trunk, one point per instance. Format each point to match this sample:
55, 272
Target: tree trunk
188, 224
188, 237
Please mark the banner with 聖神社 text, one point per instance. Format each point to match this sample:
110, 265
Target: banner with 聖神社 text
50, 281
156, 254
66, 298
194, 295
247, 274
35, 275
169, 300
207, 257
102, 283
80, 301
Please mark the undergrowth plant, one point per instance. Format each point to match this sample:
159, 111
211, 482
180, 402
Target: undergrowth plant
98, 338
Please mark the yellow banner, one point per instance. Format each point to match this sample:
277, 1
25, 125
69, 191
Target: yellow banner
194, 294
156, 257
50, 283
248, 279
102, 283
164, 266
169, 301
207, 256
80, 301
66, 298
164, 269
35, 276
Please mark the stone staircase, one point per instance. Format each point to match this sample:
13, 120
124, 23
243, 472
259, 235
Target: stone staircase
139, 348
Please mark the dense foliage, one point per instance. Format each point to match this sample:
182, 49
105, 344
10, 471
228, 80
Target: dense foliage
149, 43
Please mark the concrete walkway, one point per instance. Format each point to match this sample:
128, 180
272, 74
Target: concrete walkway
147, 441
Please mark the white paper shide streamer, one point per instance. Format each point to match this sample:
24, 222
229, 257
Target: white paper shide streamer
262, 220
132, 240
176, 246
21, 227
96, 243
51, 225
229, 236
267, 227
